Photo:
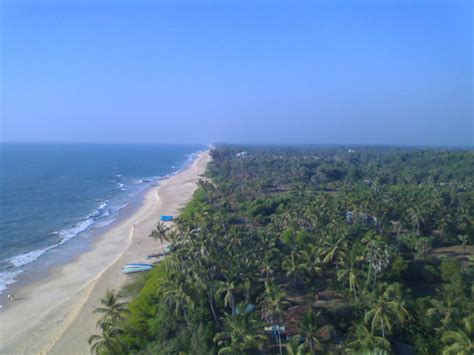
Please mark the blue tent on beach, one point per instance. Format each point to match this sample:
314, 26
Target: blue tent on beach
165, 218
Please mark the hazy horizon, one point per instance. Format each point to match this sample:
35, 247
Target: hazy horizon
246, 144
255, 72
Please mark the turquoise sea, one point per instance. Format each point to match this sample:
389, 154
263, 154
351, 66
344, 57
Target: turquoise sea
55, 198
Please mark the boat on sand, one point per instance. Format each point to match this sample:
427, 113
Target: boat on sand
132, 268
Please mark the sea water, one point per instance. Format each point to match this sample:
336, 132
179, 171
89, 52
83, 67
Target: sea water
53, 196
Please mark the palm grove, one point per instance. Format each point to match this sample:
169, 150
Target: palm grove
311, 250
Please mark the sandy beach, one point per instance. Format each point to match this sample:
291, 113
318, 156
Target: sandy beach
55, 316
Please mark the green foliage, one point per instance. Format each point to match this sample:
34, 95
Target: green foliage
242, 333
460, 341
143, 309
450, 269
345, 234
112, 312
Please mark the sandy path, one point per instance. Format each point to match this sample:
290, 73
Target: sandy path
55, 316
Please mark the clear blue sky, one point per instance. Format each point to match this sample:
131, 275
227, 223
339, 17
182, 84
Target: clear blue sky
391, 72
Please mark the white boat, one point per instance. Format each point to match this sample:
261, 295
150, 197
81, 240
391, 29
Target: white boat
132, 268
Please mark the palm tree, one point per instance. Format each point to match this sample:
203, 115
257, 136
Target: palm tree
310, 264
376, 255
242, 333
309, 325
268, 267
461, 340
292, 266
161, 232
113, 312
367, 342
422, 246
442, 225
228, 288
387, 311
112, 309
415, 216
295, 346
350, 274
397, 226
108, 342
334, 251
273, 304
464, 239
203, 281
446, 310
177, 296
464, 220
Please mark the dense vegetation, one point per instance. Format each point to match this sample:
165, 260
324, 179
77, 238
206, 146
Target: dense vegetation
312, 250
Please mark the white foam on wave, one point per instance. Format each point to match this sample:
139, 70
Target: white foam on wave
26, 258
144, 181
104, 223
64, 235
190, 158
71, 232
100, 210
7, 278
119, 207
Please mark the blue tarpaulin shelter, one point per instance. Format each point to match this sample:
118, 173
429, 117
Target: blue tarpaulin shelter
165, 218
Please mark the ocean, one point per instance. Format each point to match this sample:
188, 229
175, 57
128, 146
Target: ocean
56, 198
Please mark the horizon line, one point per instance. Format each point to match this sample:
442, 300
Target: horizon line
288, 144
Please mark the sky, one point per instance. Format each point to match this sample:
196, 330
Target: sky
142, 71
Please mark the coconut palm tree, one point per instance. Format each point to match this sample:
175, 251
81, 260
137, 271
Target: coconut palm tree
447, 310
203, 281
387, 311
422, 246
464, 220
177, 296
350, 274
376, 255
242, 333
309, 325
442, 226
296, 346
161, 232
108, 343
334, 251
112, 313
112, 310
268, 267
293, 266
273, 304
461, 340
365, 342
464, 239
415, 217
229, 289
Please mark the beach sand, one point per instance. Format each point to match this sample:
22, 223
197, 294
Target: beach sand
55, 316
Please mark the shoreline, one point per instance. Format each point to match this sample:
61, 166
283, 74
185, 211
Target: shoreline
37, 276
55, 315
119, 207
